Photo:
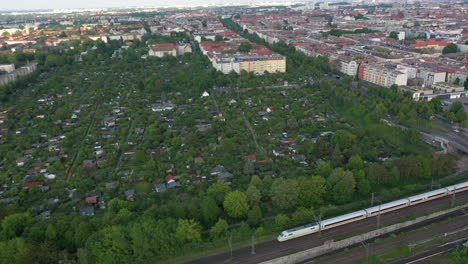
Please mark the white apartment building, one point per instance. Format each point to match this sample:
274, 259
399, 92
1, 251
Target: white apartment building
349, 67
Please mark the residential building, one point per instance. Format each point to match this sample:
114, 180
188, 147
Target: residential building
444, 87
383, 76
431, 76
430, 44
348, 66
159, 50
7, 67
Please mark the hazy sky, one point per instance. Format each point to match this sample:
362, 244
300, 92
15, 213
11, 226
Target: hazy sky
58, 4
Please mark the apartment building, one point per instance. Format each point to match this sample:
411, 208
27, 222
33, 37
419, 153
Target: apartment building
431, 77
262, 64
348, 66
159, 50
225, 64
249, 63
382, 76
15, 74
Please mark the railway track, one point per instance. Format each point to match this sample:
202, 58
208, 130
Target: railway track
272, 249
419, 234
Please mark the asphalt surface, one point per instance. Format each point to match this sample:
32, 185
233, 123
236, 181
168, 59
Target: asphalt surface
273, 249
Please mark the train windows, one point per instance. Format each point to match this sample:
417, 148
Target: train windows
344, 220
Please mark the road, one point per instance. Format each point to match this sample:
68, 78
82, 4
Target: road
272, 249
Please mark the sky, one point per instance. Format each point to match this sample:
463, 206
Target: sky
64, 4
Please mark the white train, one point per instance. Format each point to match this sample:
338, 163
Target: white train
370, 212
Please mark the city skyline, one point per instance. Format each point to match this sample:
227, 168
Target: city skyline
89, 4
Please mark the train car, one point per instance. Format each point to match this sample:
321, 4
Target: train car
458, 187
297, 232
387, 207
372, 211
343, 219
415, 199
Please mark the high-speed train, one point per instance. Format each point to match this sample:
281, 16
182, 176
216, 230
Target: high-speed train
370, 212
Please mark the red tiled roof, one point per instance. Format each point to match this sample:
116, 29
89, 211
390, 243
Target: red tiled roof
288, 140
91, 199
252, 157
32, 184
429, 43
89, 165
170, 177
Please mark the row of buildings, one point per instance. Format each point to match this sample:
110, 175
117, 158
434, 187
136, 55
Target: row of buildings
222, 46
226, 58
169, 49
13, 74
388, 46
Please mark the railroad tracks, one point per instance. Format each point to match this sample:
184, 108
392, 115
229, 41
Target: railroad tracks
273, 249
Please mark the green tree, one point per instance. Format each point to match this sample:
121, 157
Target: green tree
460, 115
460, 256
210, 210
249, 168
281, 221
188, 230
450, 48
13, 225
443, 165
284, 193
342, 139
151, 239
110, 245
324, 169
254, 216
235, 204
312, 191
50, 233
15, 251
253, 195
219, 228
394, 177
218, 191
355, 163
413, 135
393, 35
245, 47
377, 174
362, 183
303, 215
341, 185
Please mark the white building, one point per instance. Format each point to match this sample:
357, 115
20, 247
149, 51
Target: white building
431, 77
226, 64
349, 67
7, 67
401, 35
